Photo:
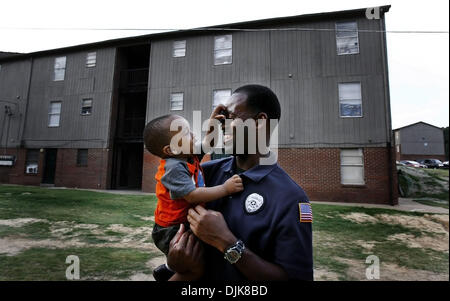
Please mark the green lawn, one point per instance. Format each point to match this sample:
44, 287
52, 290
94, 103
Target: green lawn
340, 241
111, 235
68, 216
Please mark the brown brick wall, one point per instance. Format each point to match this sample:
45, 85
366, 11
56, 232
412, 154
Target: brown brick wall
16, 174
67, 173
317, 171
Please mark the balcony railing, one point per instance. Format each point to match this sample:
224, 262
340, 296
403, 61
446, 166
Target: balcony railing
132, 78
133, 127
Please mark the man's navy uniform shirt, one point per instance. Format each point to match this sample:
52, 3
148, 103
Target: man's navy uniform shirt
274, 231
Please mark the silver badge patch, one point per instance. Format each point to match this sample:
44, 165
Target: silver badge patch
253, 202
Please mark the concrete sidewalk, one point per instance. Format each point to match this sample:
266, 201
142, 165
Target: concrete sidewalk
112, 191
404, 204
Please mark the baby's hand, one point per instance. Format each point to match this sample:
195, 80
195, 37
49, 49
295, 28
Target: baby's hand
233, 184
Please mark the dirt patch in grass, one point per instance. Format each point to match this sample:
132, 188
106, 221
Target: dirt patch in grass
324, 239
359, 218
145, 218
413, 222
367, 245
64, 234
436, 223
12, 246
437, 243
390, 272
130, 230
322, 274
151, 265
440, 218
19, 222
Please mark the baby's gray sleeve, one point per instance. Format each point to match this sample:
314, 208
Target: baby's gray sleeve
177, 179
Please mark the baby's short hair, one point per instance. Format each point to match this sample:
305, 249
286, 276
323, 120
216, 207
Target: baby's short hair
157, 134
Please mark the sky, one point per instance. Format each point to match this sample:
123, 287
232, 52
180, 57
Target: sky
418, 63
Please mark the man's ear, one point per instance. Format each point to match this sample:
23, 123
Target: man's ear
261, 115
167, 151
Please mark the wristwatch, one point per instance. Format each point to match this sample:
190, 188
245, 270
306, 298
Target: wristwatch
234, 252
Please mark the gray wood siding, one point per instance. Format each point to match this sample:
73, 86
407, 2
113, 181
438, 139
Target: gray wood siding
14, 78
309, 98
413, 139
75, 130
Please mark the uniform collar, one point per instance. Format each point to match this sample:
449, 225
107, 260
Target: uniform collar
256, 173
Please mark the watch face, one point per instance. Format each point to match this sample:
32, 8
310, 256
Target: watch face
233, 255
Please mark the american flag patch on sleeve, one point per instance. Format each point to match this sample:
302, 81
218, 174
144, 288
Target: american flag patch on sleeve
305, 212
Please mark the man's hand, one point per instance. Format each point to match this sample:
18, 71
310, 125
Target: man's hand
233, 185
219, 113
186, 255
210, 227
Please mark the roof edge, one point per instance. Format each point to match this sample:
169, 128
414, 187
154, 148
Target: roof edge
140, 39
409, 125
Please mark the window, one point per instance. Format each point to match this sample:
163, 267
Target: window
350, 104
60, 68
347, 38
179, 48
32, 161
352, 167
91, 59
220, 96
223, 49
82, 157
86, 106
176, 101
54, 114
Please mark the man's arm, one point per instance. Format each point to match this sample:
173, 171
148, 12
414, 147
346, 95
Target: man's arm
210, 227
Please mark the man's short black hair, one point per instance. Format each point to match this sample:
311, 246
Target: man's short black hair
261, 99
157, 134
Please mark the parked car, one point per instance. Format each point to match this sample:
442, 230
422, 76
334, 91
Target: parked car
445, 164
431, 163
398, 163
411, 163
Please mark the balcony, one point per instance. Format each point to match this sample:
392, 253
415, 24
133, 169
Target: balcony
134, 80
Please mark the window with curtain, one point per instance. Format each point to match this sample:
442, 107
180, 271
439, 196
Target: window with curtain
350, 103
32, 161
179, 48
91, 59
352, 166
220, 96
59, 68
347, 40
176, 101
54, 114
223, 50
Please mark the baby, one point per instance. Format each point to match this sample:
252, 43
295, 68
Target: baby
179, 180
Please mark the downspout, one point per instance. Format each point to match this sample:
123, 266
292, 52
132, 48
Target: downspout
27, 98
387, 105
7, 114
